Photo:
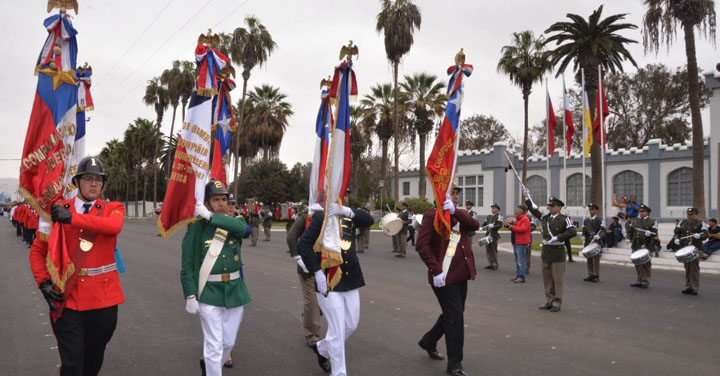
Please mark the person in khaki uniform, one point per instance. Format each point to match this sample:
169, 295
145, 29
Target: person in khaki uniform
696, 231
593, 231
494, 222
267, 223
311, 309
556, 229
400, 239
644, 235
363, 238
254, 221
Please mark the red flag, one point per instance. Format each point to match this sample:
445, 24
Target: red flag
551, 124
569, 123
601, 103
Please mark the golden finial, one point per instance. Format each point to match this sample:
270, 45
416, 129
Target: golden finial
460, 57
63, 5
350, 50
209, 39
326, 82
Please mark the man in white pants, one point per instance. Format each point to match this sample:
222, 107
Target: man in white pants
212, 276
341, 305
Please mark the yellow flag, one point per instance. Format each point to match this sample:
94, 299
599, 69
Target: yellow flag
587, 124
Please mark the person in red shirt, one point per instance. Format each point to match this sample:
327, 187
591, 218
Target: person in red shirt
31, 226
451, 288
520, 226
74, 267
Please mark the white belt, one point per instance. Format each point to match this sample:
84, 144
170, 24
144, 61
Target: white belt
225, 277
97, 271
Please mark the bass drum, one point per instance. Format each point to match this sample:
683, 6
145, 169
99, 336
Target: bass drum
417, 222
391, 224
592, 250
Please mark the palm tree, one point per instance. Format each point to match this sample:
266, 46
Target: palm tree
525, 61
659, 27
379, 115
156, 95
398, 20
427, 100
269, 118
113, 158
244, 144
360, 141
171, 79
588, 44
139, 138
250, 46
187, 83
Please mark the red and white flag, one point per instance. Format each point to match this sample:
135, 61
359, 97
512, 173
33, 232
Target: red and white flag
551, 123
569, 123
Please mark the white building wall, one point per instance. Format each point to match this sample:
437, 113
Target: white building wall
665, 169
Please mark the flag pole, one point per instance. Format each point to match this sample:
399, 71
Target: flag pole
547, 132
565, 145
602, 140
582, 75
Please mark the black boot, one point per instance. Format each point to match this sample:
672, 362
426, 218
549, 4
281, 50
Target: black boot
202, 366
323, 362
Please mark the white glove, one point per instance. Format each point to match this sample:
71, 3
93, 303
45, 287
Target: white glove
696, 236
439, 280
553, 239
448, 205
648, 234
526, 192
300, 263
343, 211
191, 305
490, 226
596, 237
202, 211
321, 282
677, 241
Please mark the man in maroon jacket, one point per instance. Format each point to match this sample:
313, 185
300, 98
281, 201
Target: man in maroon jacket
450, 289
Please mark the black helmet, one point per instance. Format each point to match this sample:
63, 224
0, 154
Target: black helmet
215, 187
90, 165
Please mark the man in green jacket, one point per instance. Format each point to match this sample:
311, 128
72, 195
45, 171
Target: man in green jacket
212, 277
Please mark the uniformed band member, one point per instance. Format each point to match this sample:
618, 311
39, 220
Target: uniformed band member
494, 223
451, 288
556, 229
254, 222
468, 206
84, 306
400, 239
212, 275
232, 206
267, 220
363, 238
341, 306
593, 231
643, 234
311, 309
696, 231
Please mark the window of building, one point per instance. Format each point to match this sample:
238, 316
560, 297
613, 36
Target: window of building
471, 188
538, 188
575, 190
628, 183
679, 184
406, 188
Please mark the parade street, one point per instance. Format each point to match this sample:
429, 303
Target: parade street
605, 328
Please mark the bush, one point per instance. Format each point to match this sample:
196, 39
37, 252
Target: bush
418, 205
386, 202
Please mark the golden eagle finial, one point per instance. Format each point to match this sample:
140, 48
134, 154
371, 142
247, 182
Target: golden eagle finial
227, 71
209, 39
460, 57
63, 5
350, 50
326, 82
85, 68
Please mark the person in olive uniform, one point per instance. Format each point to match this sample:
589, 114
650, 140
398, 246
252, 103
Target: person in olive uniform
494, 223
695, 231
468, 207
593, 231
311, 309
643, 232
556, 229
212, 276
254, 221
363, 239
340, 305
267, 220
400, 239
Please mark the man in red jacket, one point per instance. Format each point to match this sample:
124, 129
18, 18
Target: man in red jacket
75, 269
520, 226
450, 289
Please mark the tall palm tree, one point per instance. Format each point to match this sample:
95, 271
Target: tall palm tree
113, 158
587, 44
379, 113
245, 144
187, 83
360, 141
398, 20
659, 27
156, 95
250, 46
171, 80
269, 118
139, 138
525, 61
427, 100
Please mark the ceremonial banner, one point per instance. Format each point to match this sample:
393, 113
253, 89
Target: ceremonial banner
52, 129
569, 123
551, 123
84, 104
441, 163
322, 132
224, 125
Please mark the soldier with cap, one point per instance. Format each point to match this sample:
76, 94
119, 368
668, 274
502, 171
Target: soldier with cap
267, 220
556, 229
468, 207
494, 223
254, 221
690, 231
74, 266
593, 231
232, 205
400, 239
212, 275
644, 233
363, 239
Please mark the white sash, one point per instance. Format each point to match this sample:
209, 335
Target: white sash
209, 261
452, 247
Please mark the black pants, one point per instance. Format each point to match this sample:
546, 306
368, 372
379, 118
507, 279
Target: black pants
18, 229
29, 236
450, 323
82, 337
411, 235
568, 246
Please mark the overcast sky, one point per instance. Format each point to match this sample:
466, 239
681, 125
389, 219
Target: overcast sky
309, 34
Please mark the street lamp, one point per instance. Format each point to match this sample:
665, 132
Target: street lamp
382, 186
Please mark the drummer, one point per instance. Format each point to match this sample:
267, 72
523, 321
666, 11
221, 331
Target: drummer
593, 232
694, 231
644, 232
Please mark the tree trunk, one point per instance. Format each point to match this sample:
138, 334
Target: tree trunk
421, 182
383, 165
396, 135
136, 194
172, 128
153, 161
145, 193
238, 128
596, 150
698, 142
184, 104
526, 95
127, 188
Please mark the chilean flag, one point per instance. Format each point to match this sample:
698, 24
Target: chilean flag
551, 123
441, 163
52, 128
569, 123
323, 123
224, 122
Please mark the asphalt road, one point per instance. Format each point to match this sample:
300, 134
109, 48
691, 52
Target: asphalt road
606, 328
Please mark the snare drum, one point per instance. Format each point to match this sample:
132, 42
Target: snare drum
687, 254
485, 240
592, 250
640, 257
391, 224
417, 222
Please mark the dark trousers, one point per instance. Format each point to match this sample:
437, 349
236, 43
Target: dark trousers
568, 246
411, 236
18, 229
82, 337
450, 323
29, 236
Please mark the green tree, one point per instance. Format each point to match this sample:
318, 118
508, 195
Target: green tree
171, 79
250, 47
398, 20
588, 44
360, 140
156, 95
427, 101
266, 180
479, 132
269, 118
140, 136
378, 115
113, 158
660, 26
188, 76
525, 61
